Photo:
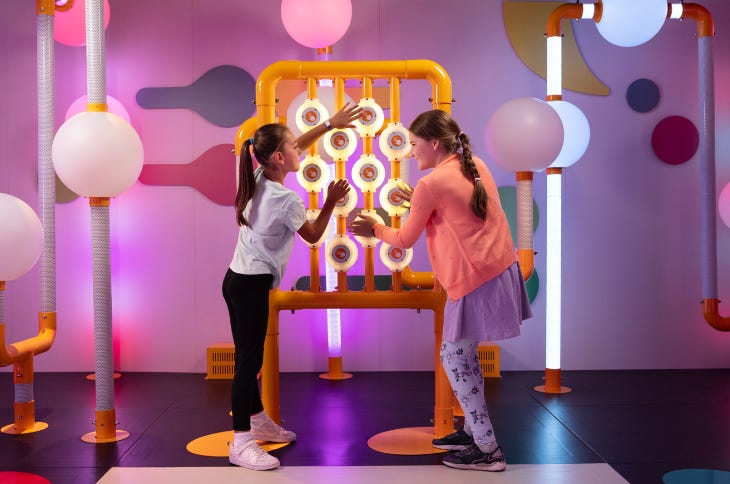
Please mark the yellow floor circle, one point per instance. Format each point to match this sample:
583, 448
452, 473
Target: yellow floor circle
408, 441
216, 445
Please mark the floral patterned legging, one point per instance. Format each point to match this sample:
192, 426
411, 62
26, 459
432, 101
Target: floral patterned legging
461, 363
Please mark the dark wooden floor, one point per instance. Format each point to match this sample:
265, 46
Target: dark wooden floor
642, 423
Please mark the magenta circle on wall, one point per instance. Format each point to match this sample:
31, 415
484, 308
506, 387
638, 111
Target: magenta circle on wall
675, 140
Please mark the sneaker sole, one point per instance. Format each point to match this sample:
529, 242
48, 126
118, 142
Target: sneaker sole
496, 467
256, 468
275, 441
449, 447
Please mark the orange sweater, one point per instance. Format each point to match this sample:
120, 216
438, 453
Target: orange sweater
465, 252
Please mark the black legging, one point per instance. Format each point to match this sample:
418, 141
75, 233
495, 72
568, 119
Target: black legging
247, 298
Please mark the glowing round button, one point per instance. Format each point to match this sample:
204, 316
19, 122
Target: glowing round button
393, 141
341, 253
395, 258
345, 204
371, 119
391, 198
311, 113
340, 144
368, 173
369, 241
313, 173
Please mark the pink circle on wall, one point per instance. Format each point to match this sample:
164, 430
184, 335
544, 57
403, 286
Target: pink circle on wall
675, 140
70, 26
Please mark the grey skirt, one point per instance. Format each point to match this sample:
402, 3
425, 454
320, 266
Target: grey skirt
492, 312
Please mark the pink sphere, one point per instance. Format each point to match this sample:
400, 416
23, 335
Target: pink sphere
21, 239
316, 23
524, 134
70, 26
723, 205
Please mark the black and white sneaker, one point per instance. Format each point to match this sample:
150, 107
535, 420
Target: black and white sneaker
472, 458
459, 440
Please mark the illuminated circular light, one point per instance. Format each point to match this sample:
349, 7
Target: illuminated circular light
369, 241
391, 199
316, 23
628, 23
312, 215
311, 113
371, 119
113, 106
395, 258
368, 173
97, 154
524, 134
341, 253
313, 173
577, 133
21, 238
345, 205
724, 205
69, 25
340, 144
326, 96
393, 141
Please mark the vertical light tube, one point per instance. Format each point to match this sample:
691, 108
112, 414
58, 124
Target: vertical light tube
334, 330
554, 67
553, 274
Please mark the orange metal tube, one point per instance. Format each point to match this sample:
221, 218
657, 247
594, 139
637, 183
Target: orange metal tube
299, 70
566, 10
711, 312
705, 24
31, 346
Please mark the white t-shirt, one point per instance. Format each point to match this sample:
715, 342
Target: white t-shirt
274, 215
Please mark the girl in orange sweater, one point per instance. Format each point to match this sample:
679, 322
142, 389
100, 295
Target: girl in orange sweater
472, 255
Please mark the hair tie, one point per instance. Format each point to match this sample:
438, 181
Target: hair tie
250, 141
477, 179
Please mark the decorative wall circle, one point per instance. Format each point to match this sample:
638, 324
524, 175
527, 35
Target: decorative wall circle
675, 139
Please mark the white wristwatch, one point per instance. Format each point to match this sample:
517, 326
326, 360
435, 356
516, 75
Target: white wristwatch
327, 124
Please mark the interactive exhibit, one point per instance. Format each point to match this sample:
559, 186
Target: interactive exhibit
79, 153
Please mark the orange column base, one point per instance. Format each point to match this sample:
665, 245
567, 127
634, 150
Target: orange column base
552, 383
24, 420
106, 429
334, 371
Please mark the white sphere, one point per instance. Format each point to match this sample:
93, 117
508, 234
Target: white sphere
524, 134
724, 205
577, 133
21, 237
628, 23
97, 154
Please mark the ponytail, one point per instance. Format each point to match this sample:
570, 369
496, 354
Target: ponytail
246, 181
469, 170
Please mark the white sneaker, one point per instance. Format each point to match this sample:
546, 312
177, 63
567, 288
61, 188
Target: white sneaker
269, 431
251, 456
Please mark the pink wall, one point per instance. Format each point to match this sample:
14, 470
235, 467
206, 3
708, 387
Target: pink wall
631, 265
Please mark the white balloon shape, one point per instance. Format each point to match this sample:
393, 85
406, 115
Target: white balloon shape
524, 134
724, 205
628, 23
577, 133
97, 154
21, 237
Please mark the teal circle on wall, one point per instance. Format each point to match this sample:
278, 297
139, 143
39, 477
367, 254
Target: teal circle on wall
508, 199
532, 284
695, 476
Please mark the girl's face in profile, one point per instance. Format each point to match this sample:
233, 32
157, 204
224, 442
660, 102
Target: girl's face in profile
290, 153
424, 151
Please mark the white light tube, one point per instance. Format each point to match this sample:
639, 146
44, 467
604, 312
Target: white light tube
553, 282
554, 65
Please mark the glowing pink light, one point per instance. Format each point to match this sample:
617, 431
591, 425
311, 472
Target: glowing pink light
316, 23
70, 26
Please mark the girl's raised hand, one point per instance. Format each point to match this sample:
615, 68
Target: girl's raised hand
345, 116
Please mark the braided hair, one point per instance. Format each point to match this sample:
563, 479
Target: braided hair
439, 125
265, 142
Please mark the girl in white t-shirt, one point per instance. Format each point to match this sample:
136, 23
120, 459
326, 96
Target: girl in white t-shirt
268, 215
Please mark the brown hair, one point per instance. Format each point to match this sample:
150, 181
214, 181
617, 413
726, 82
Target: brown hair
265, 142
439, 125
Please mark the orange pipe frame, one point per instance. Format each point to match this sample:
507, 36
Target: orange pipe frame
433, 299
705, 28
